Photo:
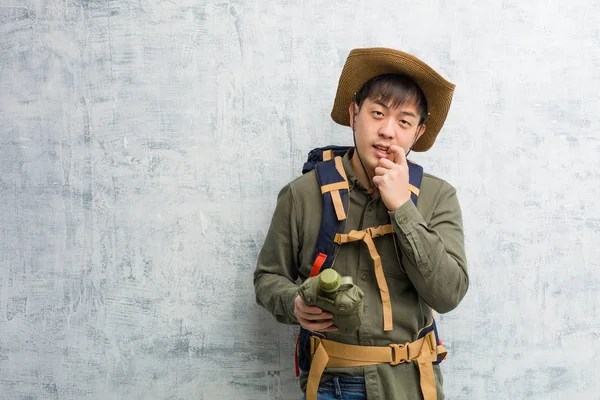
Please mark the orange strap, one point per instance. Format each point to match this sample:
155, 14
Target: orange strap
414, 189
338, 205
334, 187
330, 354
319, 261
327, 155
317, 366
339, 165
367, 236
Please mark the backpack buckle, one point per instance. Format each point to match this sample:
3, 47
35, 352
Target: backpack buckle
399, 353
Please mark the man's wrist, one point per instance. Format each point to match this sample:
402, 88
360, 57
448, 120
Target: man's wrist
406, 216
400, 203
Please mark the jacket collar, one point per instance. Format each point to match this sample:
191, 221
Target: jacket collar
353, 181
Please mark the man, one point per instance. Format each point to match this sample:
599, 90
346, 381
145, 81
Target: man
394, 103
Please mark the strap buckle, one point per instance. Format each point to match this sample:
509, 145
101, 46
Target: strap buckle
431, 342
399, 353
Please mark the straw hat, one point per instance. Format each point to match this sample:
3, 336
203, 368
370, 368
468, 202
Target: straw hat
364, 64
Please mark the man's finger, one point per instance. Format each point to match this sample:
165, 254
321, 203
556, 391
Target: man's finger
305, 311
397, 154
386, 164
317, 326
332, 328
313, 317
381, 170
310, 310
302, 307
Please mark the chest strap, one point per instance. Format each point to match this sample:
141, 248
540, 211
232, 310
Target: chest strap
367, 235
330, 354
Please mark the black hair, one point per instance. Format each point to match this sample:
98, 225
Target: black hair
394, 90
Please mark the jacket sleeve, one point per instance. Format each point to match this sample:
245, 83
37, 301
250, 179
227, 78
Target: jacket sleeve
276, 270
433, 254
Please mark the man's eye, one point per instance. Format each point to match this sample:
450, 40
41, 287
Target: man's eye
404, 122
378, 113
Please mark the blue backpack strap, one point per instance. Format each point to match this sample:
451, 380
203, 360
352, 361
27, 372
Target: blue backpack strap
334, 187
327, 161
316, 156
415, 177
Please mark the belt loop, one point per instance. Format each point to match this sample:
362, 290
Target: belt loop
338, 389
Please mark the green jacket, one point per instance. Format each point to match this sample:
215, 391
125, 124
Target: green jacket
432, 273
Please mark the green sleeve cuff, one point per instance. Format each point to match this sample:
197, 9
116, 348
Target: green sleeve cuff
290, 304
407, 217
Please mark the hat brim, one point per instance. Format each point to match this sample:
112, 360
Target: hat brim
364, 64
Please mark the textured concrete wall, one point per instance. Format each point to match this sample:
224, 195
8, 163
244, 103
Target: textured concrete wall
143, 144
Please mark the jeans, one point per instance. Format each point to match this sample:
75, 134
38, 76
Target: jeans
342, 387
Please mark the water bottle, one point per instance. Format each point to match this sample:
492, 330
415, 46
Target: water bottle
337, 295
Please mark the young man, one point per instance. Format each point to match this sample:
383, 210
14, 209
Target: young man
394, 103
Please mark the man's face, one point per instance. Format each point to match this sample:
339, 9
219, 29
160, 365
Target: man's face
378, 126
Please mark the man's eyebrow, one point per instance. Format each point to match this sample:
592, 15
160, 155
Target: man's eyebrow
381, 103
404, 112
409, 113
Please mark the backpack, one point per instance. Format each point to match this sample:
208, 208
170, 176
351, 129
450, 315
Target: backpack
327, 161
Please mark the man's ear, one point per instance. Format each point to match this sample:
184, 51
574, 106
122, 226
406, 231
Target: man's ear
421, 132
352, 111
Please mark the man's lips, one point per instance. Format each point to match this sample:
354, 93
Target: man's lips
381, 151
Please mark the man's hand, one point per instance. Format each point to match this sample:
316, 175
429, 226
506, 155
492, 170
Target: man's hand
313, 318
391, 177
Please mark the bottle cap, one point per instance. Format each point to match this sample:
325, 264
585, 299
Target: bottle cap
329, 280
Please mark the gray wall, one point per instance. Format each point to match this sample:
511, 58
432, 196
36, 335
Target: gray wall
143, 144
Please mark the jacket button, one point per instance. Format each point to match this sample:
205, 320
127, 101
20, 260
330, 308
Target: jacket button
364, 277
368, 342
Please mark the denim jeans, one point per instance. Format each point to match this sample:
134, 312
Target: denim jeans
342, 387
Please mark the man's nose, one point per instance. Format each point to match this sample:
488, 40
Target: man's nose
386, 129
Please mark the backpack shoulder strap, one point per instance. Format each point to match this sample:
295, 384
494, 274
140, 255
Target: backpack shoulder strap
323, 154
415, 177
334, 188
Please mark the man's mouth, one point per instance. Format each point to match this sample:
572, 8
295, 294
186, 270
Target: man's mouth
381, 148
